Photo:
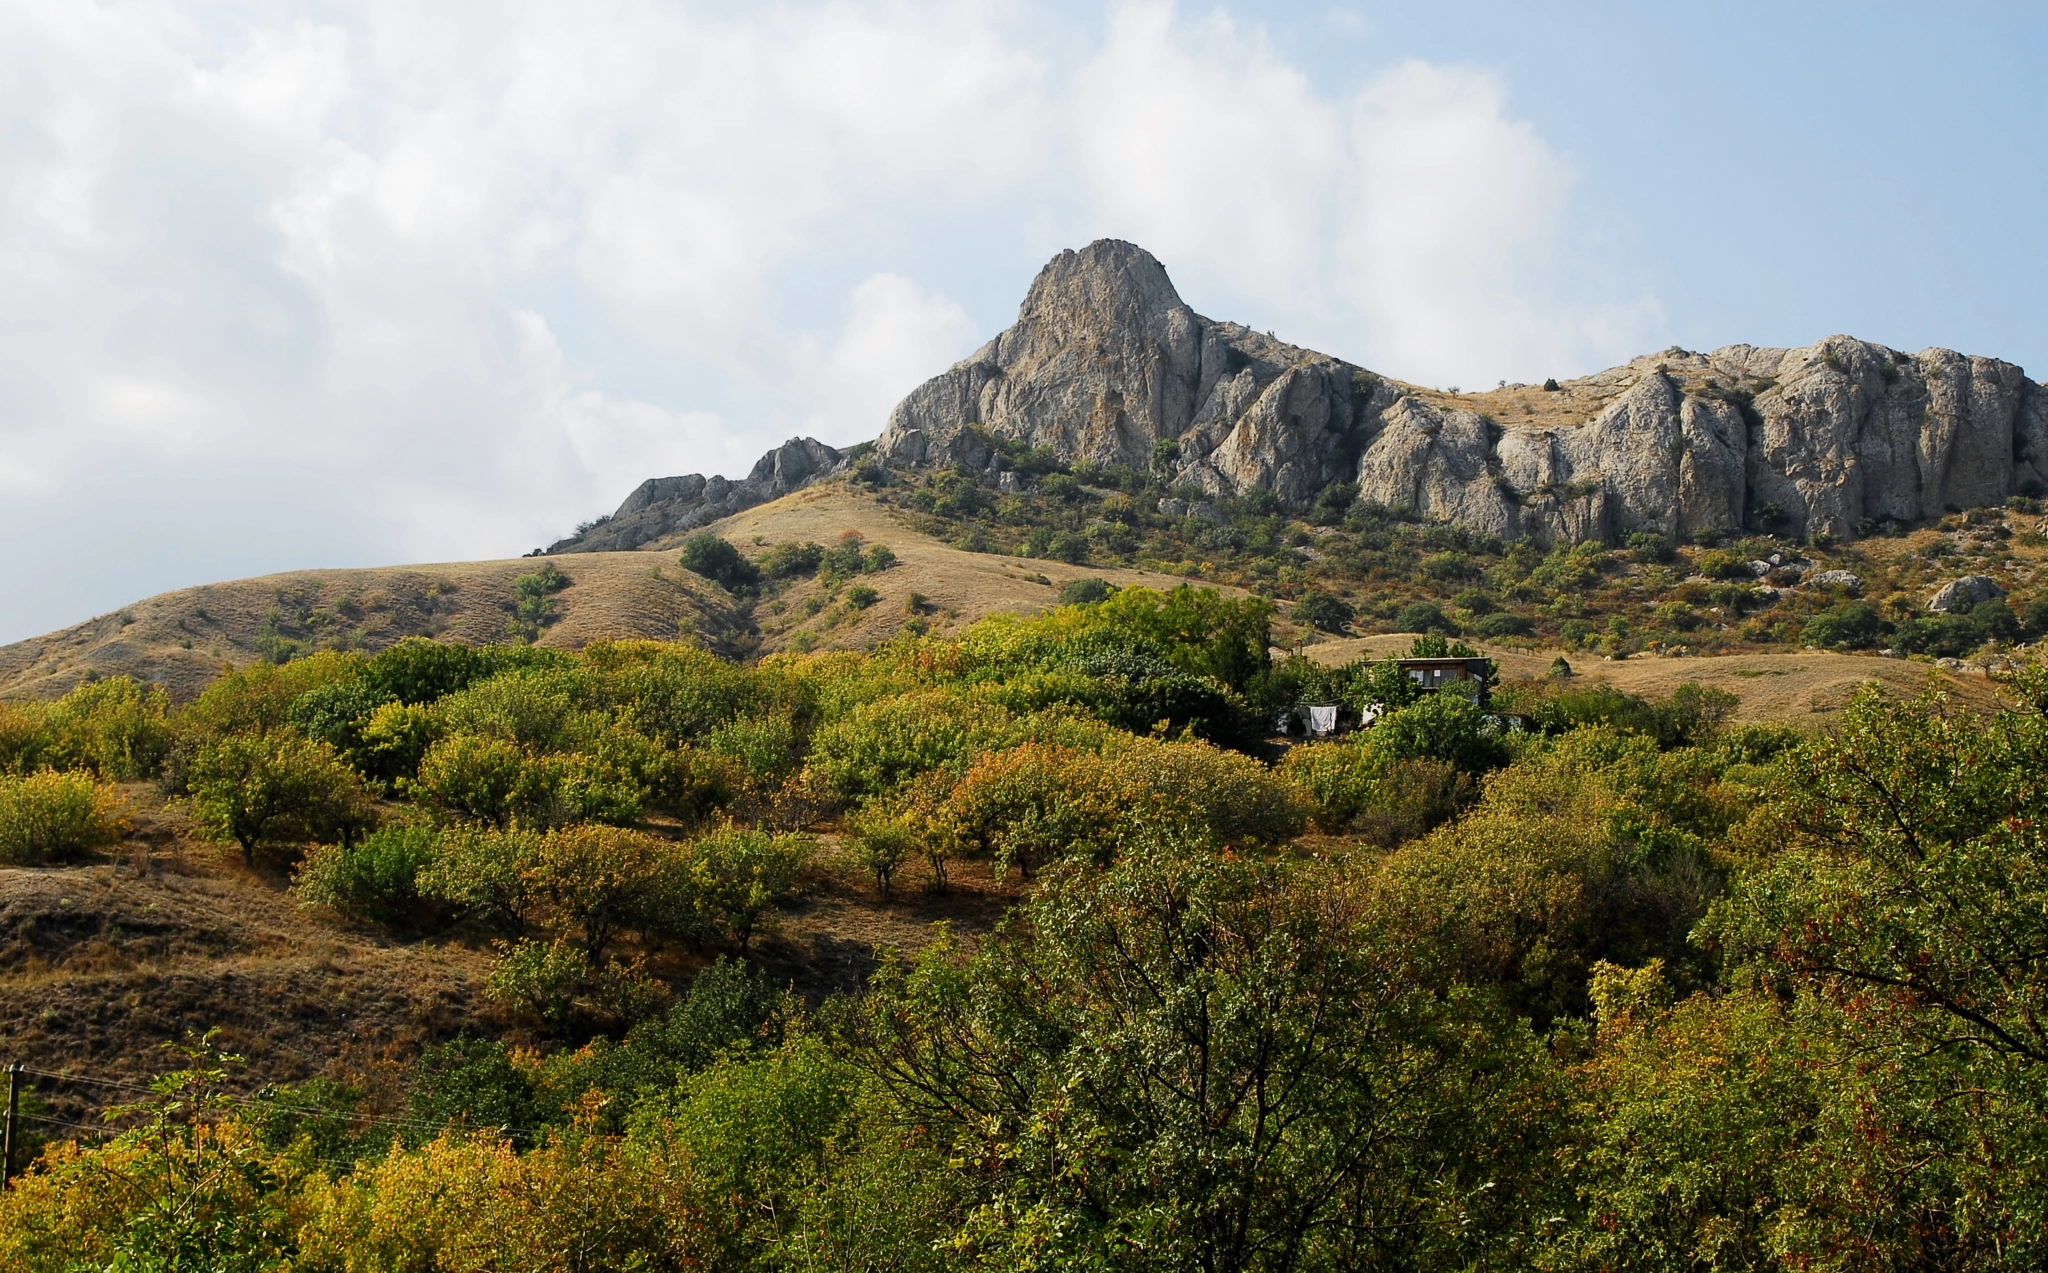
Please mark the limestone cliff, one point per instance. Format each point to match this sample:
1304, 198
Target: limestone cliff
1107, 364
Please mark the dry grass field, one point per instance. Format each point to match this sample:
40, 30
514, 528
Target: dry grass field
181, 639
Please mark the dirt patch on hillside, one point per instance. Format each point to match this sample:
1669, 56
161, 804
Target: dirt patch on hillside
830, 939
166, 937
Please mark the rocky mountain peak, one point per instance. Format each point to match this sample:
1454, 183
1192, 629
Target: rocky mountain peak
1106, 361
1106, 364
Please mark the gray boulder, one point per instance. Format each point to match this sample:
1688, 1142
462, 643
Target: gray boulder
1958, 596
1835, 579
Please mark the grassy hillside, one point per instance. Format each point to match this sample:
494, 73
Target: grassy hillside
183, 639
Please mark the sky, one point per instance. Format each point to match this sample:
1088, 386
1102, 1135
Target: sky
286, 285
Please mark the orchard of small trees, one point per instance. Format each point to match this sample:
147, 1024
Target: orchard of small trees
1637, 987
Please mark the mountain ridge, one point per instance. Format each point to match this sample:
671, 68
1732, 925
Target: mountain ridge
1106, 364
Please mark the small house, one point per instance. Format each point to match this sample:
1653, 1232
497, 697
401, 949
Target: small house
1435, 674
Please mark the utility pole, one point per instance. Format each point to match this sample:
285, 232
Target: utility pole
13, 1119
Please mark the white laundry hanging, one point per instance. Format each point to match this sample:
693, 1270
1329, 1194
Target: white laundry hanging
1322, 720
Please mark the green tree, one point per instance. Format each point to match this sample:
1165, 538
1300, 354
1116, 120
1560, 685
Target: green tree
113, 727
1321, 610
1198, 630
739, 874
1193, 1062
265, 791
51, 816
533, 604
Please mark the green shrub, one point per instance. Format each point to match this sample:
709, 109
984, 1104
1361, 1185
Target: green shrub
481, 874
844, 559
1723, 565
1995, 621
739, 874
113, 727
1443, 726
1504, 624
2033, 619
860, 596
1084, 592
880, 746
533, 605
1648, 547
56, 817
375, 878
1692, 716
706, 554
1448, 566
24, 741
768, 747
1848, 625
792, 560
496, 781
1336, 780
1423, 616
487, 779
1944, 635
880, 843
469, 1083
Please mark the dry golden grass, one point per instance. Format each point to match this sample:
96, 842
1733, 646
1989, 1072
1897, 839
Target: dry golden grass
101, 964
182, 639
959, 587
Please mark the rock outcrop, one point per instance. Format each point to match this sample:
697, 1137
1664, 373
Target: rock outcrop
1106, 364
1960, 596
663, 506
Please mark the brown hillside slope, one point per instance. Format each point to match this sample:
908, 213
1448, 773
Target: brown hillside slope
958, 587
181, 639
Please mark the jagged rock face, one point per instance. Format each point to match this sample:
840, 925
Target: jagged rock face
1830, 437
665, 505
1105, 360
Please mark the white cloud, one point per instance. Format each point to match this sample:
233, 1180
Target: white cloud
896, 335
286, 285
1411, 224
